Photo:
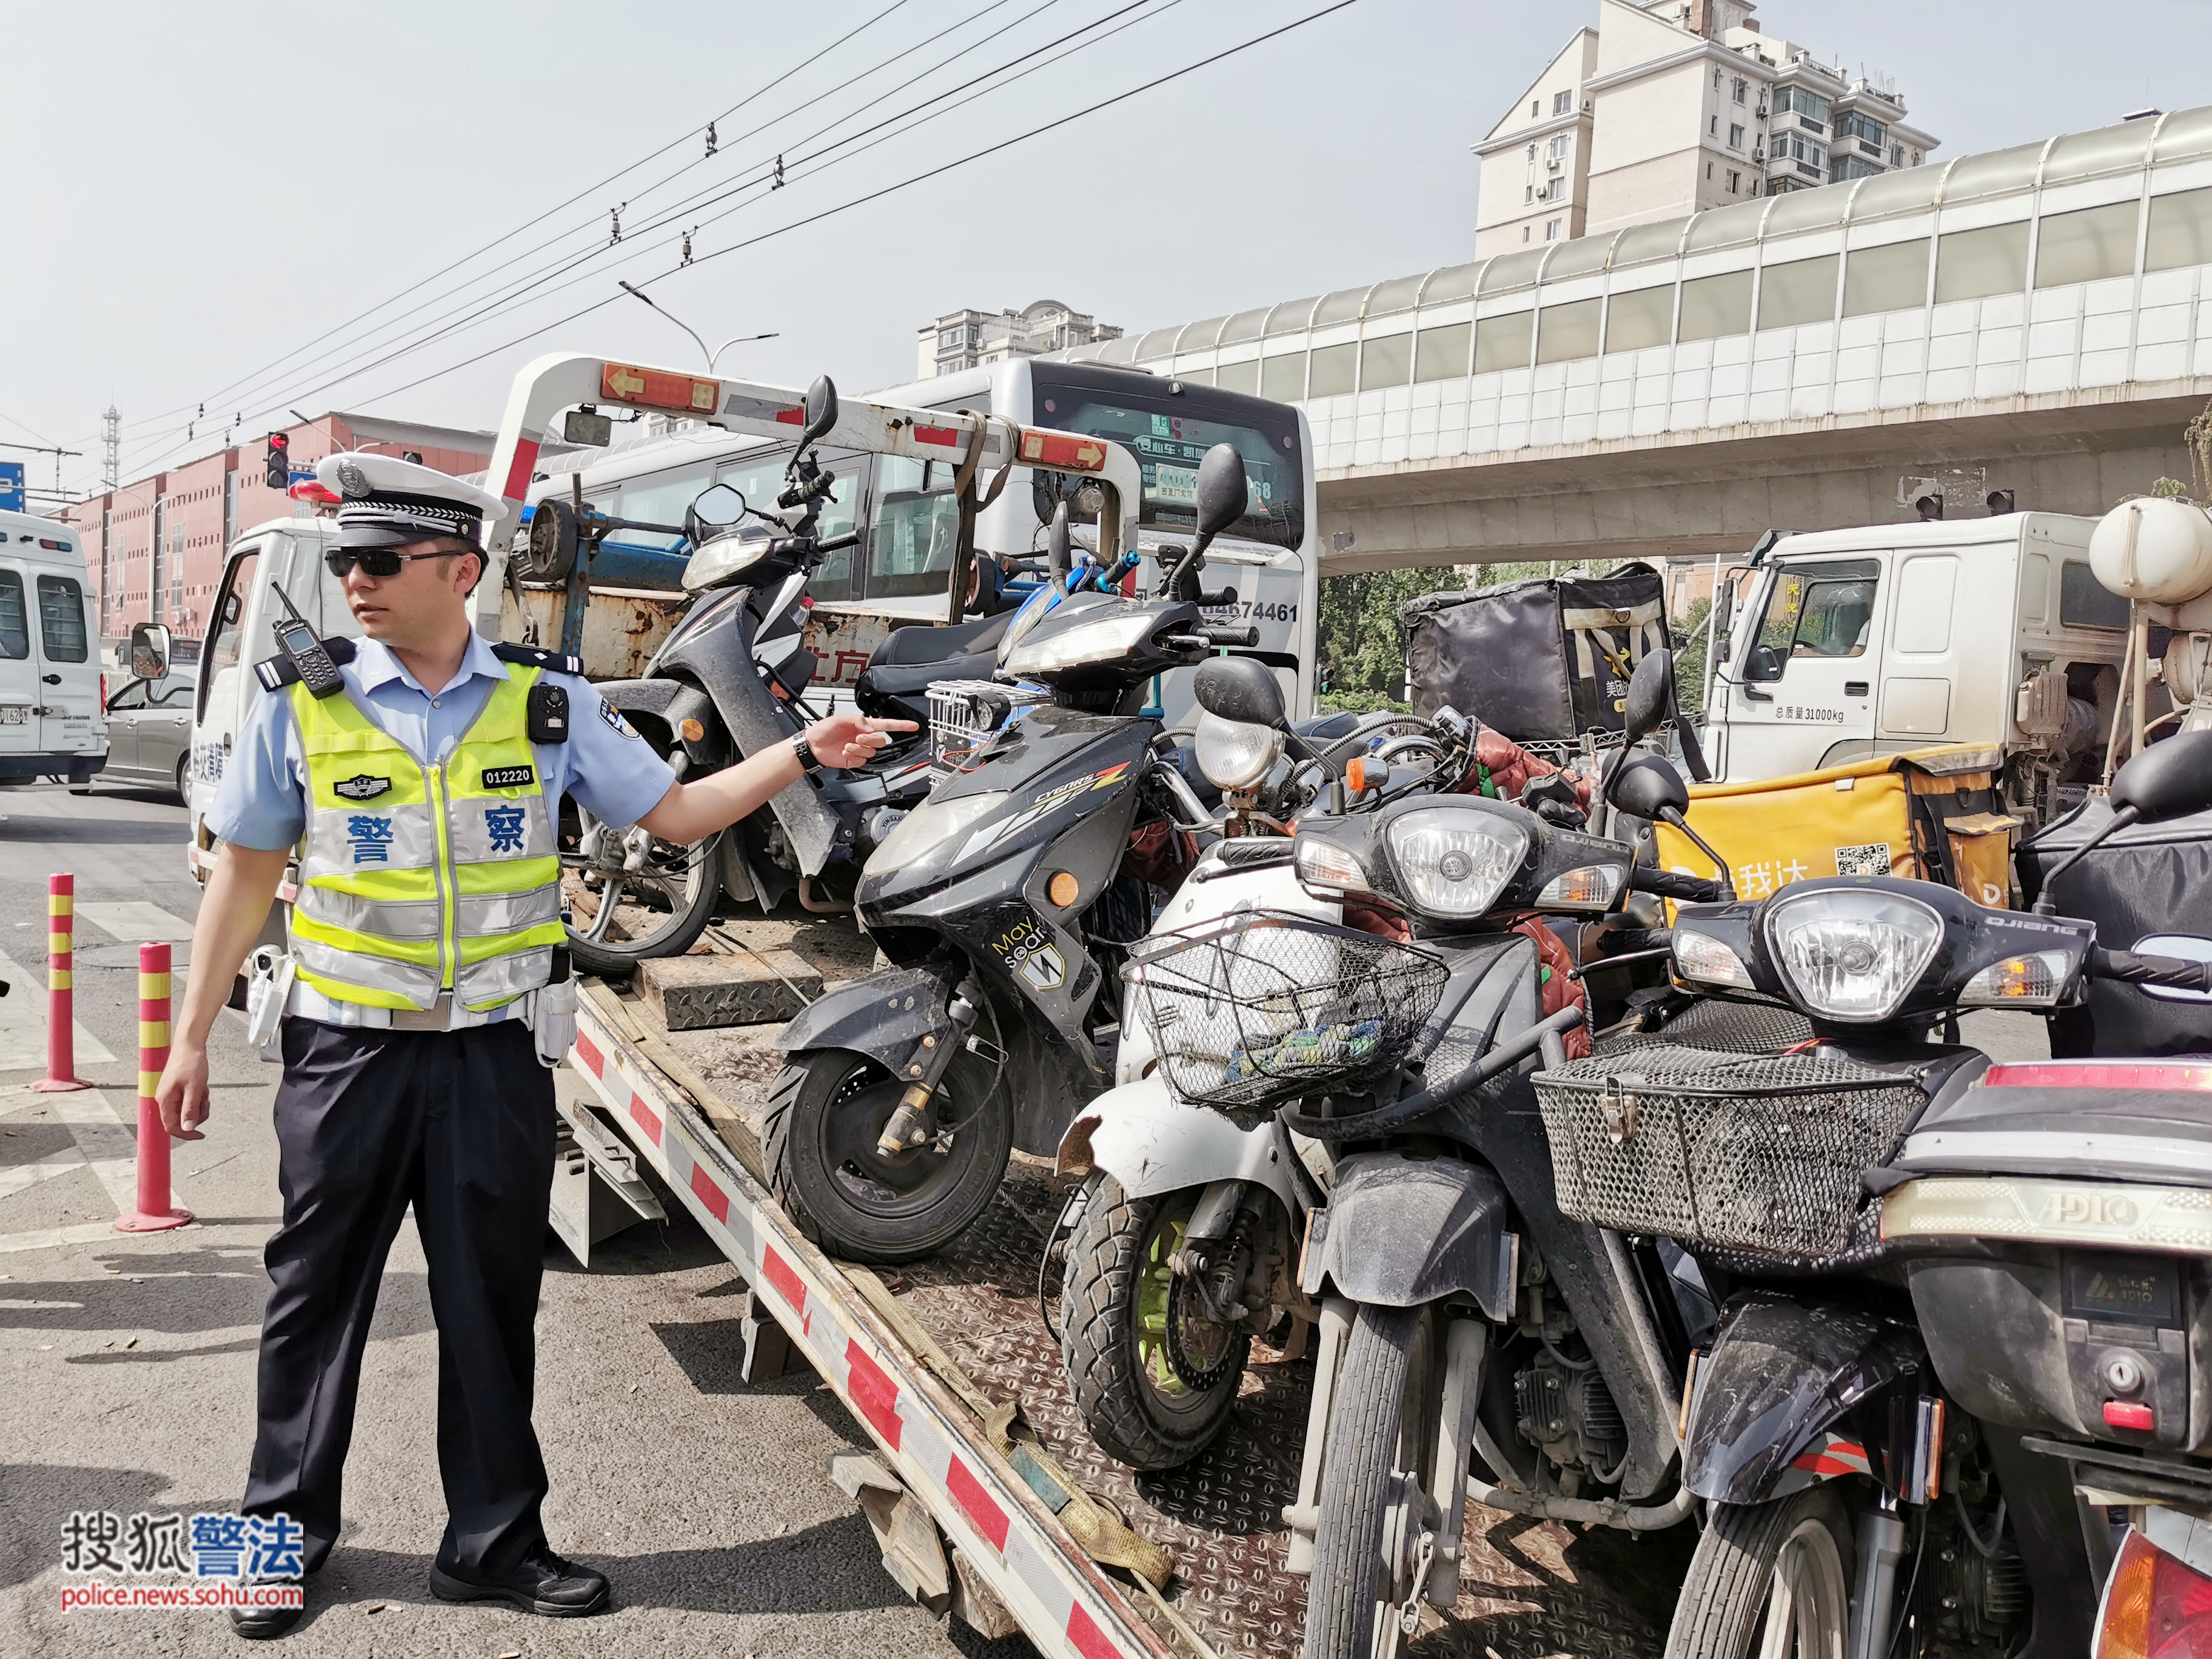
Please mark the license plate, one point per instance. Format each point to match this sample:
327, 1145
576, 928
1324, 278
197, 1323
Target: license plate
16, 716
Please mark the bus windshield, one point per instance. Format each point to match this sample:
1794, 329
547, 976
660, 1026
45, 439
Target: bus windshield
1170, 432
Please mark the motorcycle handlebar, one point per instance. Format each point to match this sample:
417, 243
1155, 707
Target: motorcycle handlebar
1220, 597
838, 544
1668, 883
1244, 636
2177, 972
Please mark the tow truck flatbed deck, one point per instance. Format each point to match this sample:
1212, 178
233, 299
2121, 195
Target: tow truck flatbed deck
1532, 1589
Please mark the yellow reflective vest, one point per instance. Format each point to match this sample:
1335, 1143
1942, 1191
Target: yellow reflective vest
417, 879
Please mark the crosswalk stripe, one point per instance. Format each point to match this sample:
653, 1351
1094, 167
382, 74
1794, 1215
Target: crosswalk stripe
17, 1177
23, 1025
136, 921
106, 1141
46, 1238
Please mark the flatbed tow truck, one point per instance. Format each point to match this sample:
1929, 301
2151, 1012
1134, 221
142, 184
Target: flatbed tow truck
988, 1498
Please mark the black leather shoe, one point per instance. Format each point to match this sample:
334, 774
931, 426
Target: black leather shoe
542, 1582
260, 1624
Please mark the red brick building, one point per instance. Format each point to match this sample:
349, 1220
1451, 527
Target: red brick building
154, 549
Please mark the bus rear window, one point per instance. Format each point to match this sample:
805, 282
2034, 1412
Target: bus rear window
1170, 432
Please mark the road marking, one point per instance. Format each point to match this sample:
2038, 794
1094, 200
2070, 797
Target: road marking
85, 1232
105, 1138
136, 922
17, 1177
23, 1025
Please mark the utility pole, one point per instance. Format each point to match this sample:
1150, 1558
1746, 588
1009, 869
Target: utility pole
110, 447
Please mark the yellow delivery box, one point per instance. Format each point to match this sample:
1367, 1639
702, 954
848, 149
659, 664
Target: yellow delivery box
1931, 814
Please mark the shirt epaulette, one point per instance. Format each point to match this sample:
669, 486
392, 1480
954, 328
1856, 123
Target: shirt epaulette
275, 673
529, 656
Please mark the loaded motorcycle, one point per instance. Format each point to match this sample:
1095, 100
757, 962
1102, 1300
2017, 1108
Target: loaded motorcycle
1004, 902
1863, 1423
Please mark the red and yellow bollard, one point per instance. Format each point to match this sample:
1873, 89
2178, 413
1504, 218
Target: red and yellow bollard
154, 1211
61, 1018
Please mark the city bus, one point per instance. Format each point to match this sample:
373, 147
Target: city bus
907, 514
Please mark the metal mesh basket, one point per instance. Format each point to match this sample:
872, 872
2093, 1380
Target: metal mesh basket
965, 714
1267, 1007
1740, 1028
1755, 1153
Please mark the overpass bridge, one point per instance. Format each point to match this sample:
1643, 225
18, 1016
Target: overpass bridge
2036, 320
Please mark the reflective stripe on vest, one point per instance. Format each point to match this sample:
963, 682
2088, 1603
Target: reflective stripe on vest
415, 879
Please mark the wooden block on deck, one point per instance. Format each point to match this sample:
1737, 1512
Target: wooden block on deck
689, 994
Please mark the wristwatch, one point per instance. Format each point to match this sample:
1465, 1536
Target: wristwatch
809, 762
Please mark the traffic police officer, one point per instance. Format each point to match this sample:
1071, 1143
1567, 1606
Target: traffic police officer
422, 789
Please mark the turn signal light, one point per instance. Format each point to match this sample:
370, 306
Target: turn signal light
1355, 774
2156, 1606
1062, 888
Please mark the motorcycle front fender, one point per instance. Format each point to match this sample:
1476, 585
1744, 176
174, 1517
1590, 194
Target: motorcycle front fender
1780, 1374
1401, 1230
1149, 1142
884, 1016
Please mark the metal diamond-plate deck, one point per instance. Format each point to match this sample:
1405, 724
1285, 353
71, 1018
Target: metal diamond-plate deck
1531, 1588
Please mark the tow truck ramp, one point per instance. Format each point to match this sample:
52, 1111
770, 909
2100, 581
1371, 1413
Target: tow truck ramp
1008, 1533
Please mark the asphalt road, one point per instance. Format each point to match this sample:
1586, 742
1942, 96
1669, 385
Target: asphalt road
127, 1361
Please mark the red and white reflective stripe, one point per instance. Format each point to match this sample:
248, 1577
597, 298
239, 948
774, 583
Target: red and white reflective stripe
519, 471
1065, 1604
2099, 1074
1833, 1456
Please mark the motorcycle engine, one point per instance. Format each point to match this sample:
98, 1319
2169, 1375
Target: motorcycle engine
1569, 1414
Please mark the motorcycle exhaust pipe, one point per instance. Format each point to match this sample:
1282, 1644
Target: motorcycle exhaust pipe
1602, 1512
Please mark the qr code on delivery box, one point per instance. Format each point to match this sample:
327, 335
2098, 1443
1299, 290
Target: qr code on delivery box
1870, 860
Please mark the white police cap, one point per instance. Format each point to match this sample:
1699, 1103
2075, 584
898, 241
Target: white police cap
388, 503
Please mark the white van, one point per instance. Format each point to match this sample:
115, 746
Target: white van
52, 722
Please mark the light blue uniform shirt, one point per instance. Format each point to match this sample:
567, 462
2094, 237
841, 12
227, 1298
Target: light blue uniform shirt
262, 802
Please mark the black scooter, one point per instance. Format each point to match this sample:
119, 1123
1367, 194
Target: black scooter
1861, 1420
1005, 903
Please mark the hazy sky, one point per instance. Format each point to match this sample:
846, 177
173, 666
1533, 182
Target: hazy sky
196, 193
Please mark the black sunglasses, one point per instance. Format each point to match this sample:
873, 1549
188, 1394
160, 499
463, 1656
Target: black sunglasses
380, 563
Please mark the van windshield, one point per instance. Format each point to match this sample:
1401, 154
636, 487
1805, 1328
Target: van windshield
1169, 433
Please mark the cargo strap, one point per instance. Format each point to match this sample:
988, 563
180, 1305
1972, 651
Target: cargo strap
1102, 1535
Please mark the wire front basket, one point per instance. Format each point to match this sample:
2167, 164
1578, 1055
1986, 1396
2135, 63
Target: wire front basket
1267, 1007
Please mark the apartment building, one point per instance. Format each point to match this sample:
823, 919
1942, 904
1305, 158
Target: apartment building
967, 339
1671, 106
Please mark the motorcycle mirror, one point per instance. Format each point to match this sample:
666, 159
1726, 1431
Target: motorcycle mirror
716, 507
1650, 699
1060, 558
1223, 493
1241, 689
821, 410
2168, 779
150, 650
1645, 786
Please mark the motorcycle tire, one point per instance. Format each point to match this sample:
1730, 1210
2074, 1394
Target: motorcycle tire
818, 1143
1799, 1547
1383, 1422
1141, 1413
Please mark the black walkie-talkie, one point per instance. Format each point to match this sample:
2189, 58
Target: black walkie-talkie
306, 651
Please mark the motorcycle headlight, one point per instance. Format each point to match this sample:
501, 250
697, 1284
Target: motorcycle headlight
1852, 953
929, 827
1704, 960
1327, 870
2032, 980
1453, 864
1099, 641
1591, 887
715, 561
1234, 753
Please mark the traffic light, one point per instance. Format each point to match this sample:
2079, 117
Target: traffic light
276, 469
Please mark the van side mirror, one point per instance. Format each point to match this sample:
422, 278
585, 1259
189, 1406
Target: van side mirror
821, 410
1650, 699
1242, 689
1223, 493
150, 650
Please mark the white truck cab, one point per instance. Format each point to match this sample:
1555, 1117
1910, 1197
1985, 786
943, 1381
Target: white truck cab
52, 720
1850, 643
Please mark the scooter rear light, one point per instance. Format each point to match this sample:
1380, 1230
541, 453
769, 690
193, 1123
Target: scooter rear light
2099, 1074
2156, 1606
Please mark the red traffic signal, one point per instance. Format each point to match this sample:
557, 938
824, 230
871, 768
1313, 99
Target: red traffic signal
277, 465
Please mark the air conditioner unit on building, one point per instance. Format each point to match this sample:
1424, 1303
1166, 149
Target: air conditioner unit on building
1758, 155
1760, 112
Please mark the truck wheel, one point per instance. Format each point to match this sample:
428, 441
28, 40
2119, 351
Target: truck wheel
184, 779
1378, 1459
818, 1141
1114, 1308
1768, 1578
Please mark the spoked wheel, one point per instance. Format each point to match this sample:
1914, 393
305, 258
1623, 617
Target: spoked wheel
631, 895
819, 1143
1121, 1307
1369, 1555
1769, 1581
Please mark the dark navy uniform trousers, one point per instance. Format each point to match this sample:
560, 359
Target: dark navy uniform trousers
461, 1125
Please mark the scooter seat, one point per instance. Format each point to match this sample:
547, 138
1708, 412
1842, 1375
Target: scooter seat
2096, 1120
918, 642
901, 690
